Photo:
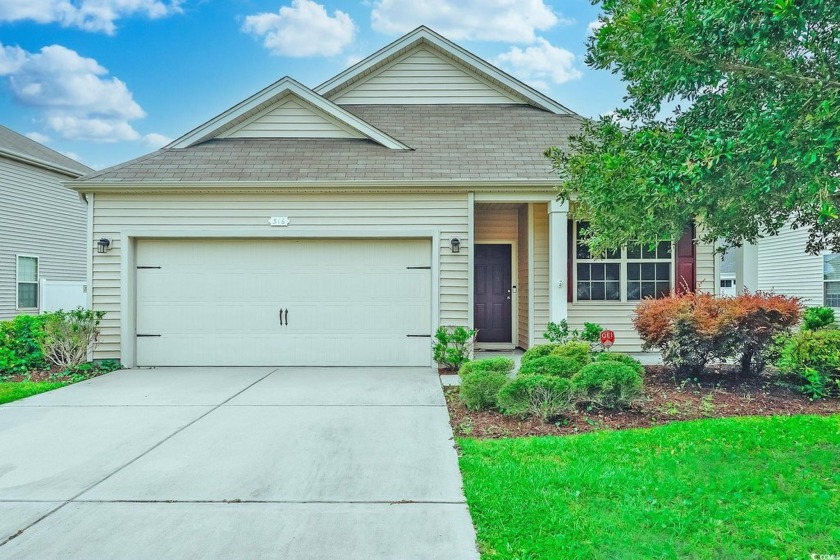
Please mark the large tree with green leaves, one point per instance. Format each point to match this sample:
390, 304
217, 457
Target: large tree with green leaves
732, 117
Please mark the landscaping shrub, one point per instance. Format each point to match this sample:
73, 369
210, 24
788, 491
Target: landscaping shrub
623, 359
813, 359
816, 318
20, 345
543, 396
553, 366
690, 329
87, 370
480, 389
70, 335
453, 346
537, 351
607, 384
578, 351
501, 364
756, 319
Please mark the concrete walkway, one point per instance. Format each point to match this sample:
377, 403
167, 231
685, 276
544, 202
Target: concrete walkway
234, 463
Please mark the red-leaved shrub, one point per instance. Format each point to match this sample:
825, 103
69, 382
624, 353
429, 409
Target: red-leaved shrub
692, 329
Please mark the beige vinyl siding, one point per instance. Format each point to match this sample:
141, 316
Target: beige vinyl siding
117, 213
522, 279
785, 268
618, 317
38, 217
496, 222
541, 288
422, 76
707, 260
291, 118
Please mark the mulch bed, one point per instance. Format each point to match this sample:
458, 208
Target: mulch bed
49, 376
719, 393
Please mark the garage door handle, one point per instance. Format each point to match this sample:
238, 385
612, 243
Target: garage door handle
280, 313
287, 317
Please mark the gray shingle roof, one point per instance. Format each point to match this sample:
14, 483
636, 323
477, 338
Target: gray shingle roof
450, 142
16, 143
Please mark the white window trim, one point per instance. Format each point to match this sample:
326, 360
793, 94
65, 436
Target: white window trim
37, 282
622, 271
826, 281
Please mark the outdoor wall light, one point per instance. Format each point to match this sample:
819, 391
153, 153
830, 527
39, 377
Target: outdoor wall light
455, 243
103, 245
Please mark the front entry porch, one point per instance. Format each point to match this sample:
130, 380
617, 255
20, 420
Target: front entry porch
518, 271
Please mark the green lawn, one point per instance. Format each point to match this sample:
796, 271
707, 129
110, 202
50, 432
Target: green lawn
733, 488
12, 391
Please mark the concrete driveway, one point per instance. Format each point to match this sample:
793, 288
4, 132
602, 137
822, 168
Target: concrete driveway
234, 463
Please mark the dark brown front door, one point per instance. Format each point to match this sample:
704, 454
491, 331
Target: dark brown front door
493, 293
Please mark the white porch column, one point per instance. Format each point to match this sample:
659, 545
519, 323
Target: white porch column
746, 267
558, 215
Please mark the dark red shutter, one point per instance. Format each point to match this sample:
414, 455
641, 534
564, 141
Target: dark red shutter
570, 262
685, 263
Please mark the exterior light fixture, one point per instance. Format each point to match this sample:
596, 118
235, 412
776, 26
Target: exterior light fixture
455, 243
103, 245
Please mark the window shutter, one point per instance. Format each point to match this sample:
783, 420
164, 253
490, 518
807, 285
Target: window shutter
685, 262
570, 262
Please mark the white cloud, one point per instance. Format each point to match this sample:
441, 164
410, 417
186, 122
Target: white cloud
78, 99
302, 29
515, 21
352, 59
90, 15
38, 137
594, 26
540, 64
155, 140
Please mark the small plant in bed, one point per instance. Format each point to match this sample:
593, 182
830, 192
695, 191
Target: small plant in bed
543, 396
622, 359
452, 347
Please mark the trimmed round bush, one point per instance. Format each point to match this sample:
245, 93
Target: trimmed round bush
576, 350
501, 364
538, 351
480, 389
543, 396
554, 366
608, 384
623, 359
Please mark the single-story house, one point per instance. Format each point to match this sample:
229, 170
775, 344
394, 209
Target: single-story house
341, 225
43, 228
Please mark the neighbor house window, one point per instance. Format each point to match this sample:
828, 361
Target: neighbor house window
831, 280
630, 274
27, 282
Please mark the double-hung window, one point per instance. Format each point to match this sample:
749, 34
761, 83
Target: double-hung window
27, 282
629, 274
831, 280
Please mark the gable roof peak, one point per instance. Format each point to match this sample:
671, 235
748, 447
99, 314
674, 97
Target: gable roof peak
269, 96
425, 36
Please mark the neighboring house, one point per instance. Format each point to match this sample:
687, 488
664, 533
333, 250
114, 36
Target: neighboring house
43, 227
784, 267
728, 281
343, 225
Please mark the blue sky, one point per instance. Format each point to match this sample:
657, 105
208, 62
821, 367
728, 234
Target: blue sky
109, 80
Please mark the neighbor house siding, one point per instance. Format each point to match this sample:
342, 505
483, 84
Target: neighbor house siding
118, 213
541, 288
42, 218
618, 317
522, 279
707, 260
785, 268
422, 76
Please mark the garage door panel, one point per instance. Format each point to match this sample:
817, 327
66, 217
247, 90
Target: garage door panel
349, 302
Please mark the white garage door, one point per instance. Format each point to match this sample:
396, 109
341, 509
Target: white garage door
283, 302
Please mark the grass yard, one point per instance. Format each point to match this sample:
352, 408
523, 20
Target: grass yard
721, 488
14, 390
